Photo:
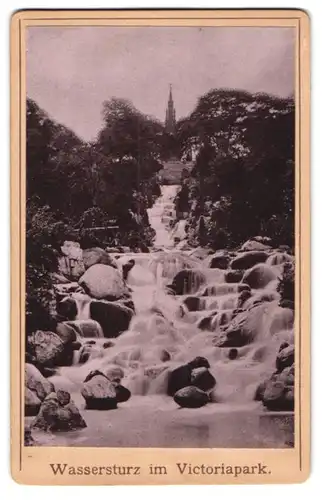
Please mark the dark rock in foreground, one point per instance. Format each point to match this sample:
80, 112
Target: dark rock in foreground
277, 392
191, 397
203, 379
102, 392
181, 376
59, 413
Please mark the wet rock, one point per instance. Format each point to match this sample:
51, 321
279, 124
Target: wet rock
243, 329
203, 379
287, 304
248, 259
104, 282
54, 416
234, 276
277, 397
259, 393
122, 393
86, 328
259, 276
66, 333
108, 344
194, 303
243, 297
287, 376
232, 353
255, 245
32, 403
127, 303
278, 258
67, 308
191, 397
187, 281
89, 351
114, 318
99, 392
181, 377
46, 349
285, 358
220, 260
92, 256
126, 268
66, 289
165, 356
206, 322
36, 382
63, 397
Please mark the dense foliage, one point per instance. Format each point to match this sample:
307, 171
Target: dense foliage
94, 193
242, 183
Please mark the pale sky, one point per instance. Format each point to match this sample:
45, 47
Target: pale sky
72, 70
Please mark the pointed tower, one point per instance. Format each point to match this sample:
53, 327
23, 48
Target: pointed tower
170, 115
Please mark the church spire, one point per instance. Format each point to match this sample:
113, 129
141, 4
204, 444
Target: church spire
170, 116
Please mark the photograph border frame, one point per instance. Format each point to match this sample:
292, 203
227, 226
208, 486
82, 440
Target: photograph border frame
30, 465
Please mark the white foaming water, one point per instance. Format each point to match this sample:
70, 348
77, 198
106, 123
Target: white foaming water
164, 333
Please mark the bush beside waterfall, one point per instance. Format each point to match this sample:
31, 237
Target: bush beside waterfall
75, 187
242, 183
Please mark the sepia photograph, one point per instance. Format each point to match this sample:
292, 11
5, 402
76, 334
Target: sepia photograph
160, 237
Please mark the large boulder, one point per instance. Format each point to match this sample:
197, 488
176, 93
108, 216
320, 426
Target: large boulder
181, 377
92, 256
104, 282
46, 349
220, 260
245, 327
191, 397
59, 413
113, 317
86, 328
36, 382
187, 281
66, 333
259, 276
99, 392
248, 259
255, 245
277, 396
278, 258
234, 276
203, 379
67, 308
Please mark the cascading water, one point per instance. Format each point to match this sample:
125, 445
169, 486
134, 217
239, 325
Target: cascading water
168, 331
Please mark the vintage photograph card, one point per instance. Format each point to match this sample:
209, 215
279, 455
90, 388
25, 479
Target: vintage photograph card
160, 225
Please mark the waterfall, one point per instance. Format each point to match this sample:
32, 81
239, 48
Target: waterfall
165, 332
